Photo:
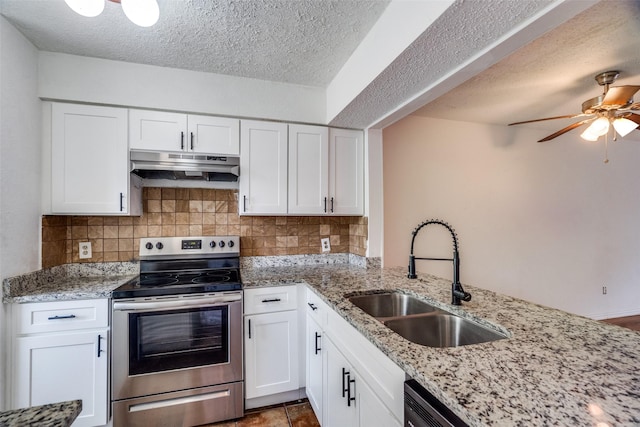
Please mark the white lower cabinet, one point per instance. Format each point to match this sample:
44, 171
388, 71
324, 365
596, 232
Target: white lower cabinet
61, 355
340, 402
349, 381
315, 366
271, 342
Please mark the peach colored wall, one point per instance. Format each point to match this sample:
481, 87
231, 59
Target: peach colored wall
549, 223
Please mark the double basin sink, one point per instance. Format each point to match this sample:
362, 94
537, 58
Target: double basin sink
422, 323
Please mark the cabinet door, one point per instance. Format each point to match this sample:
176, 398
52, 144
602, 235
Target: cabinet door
89, 160
371, 410
157, 130
214, 135
338, 410
53, 368
263, 168
314, 368
271, 353
346, 172
308, 169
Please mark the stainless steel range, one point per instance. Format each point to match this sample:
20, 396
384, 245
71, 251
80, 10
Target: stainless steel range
177, 335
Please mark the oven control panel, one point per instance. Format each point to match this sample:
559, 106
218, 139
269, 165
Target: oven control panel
200, 245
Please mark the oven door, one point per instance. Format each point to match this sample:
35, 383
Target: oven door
176, 343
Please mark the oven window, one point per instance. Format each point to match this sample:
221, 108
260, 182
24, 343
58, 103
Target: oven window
176, 339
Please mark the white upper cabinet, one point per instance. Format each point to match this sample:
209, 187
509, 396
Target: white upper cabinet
308, 169
263, 168
90, 161
217, 135
162, 131
346, 172
326, 171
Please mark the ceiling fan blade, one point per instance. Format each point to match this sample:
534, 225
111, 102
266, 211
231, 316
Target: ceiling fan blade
633, 117
565, 130
572, 116
619, 95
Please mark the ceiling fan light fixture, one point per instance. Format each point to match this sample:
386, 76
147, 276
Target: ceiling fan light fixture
624, 126
588, 136
599, 127
143, 13
88, 8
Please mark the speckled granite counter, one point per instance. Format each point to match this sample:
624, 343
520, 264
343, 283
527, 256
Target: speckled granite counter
69, 281
555, 369
53, 415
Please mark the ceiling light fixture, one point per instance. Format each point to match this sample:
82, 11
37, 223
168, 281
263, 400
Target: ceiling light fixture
88, 8
143, 13
624, 126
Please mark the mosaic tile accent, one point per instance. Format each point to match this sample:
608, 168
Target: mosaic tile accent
171, 212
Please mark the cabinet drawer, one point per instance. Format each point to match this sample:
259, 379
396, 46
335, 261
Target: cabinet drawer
61, 316
267, 300
316, 308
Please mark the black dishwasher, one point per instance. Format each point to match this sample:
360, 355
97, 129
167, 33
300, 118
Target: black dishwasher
422, 409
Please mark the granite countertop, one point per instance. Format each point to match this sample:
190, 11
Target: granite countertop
554, 369
68, 282
52, 415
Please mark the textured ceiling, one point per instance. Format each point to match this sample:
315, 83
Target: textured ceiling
295, 41
552, 75
456, 36
308, 41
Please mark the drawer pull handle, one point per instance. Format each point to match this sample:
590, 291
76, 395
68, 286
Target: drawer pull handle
349, 397
313, 307
345, 376
318, 348
70, 316
272, 300
100, 350
249, 328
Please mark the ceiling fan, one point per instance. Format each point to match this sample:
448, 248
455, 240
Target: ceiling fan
614, 107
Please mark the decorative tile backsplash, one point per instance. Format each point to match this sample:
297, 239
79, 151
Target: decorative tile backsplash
195, 212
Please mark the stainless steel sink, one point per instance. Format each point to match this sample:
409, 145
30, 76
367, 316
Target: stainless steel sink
391, 304
442, 330
422, 323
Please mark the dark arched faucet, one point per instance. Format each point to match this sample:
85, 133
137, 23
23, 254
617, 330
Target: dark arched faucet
457, 292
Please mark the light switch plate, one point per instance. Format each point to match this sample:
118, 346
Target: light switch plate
84, 249
326, 245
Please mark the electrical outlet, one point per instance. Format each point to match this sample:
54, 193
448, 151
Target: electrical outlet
325, 244
604, 290
84, 250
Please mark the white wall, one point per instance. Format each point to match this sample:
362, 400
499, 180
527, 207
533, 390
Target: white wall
549, 223
19, 164
79, 78
373, 191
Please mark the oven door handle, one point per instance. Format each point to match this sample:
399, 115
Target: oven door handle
181, 303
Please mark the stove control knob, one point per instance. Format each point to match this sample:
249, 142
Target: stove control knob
221, 244
231, 243
159, 245
149, 245
212, 244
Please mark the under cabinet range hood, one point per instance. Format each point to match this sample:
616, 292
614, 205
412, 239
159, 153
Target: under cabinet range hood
182, 167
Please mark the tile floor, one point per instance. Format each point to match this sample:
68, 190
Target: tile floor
290, 414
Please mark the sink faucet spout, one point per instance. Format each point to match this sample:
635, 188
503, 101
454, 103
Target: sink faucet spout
457, 292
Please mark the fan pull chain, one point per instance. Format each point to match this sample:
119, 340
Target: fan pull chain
606, 148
